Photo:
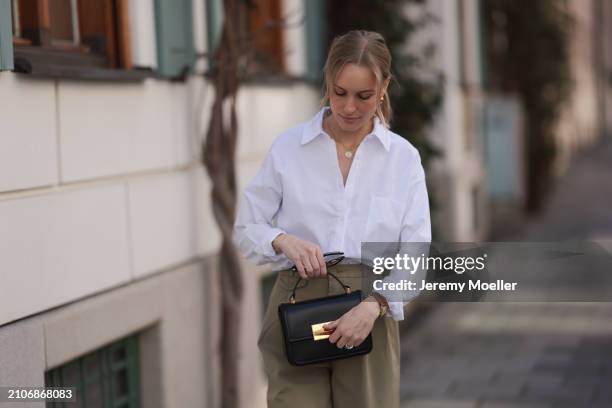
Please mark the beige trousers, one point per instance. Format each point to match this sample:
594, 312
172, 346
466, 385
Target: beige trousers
367, 381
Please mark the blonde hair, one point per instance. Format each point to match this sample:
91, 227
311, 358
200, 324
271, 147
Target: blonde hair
363, 48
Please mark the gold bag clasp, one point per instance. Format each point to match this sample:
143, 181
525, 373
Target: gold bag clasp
319, 333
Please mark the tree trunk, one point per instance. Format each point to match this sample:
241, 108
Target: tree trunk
219, 159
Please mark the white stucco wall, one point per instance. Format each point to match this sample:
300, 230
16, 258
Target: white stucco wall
101, 190
102, 183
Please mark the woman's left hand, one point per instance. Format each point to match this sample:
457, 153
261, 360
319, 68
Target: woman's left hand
354, 326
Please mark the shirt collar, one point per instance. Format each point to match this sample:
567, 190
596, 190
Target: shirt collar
314, 128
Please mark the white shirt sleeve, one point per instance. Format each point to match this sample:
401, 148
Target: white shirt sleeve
254, 229
416, 227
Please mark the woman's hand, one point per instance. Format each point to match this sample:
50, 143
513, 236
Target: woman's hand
306, 256
354, 326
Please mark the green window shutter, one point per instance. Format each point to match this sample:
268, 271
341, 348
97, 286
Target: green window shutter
6, 36
315, 38
174, 26
214, 23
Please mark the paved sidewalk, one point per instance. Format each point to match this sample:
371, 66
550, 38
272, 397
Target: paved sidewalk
485, 355
510, 355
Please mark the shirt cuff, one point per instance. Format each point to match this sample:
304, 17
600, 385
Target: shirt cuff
268, 249
396, 310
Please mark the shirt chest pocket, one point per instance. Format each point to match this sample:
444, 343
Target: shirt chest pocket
384, 220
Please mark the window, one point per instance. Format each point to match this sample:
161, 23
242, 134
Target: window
107, 378
266, 33
81, 33
64, 23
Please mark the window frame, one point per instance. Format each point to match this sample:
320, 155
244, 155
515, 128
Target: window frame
103, 374
107, 23
315, 31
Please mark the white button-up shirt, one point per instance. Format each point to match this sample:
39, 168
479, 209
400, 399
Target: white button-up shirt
299, 190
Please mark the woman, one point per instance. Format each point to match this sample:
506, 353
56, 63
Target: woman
330, 184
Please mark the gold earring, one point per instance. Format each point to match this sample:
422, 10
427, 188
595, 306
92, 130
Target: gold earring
382, 98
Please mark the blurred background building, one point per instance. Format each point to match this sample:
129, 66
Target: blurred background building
481, 177
107, 241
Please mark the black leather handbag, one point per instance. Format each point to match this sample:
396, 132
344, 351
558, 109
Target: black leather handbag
306, 342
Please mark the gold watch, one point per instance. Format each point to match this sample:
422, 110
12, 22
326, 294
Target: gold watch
382, 302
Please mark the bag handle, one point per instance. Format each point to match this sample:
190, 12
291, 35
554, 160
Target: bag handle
332, 262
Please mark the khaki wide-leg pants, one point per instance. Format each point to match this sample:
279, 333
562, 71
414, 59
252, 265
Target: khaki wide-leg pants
367, 381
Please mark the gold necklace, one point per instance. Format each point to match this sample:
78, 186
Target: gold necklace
348, 152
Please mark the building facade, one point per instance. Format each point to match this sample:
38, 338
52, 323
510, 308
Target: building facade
107, 239
480, 178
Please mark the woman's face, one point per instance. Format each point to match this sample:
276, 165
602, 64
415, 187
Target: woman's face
353, 98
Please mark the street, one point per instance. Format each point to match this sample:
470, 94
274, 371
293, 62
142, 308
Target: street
510, 355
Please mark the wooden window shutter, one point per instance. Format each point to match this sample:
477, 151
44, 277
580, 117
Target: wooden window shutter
175, 47
265, 21
315, 38
6, 36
